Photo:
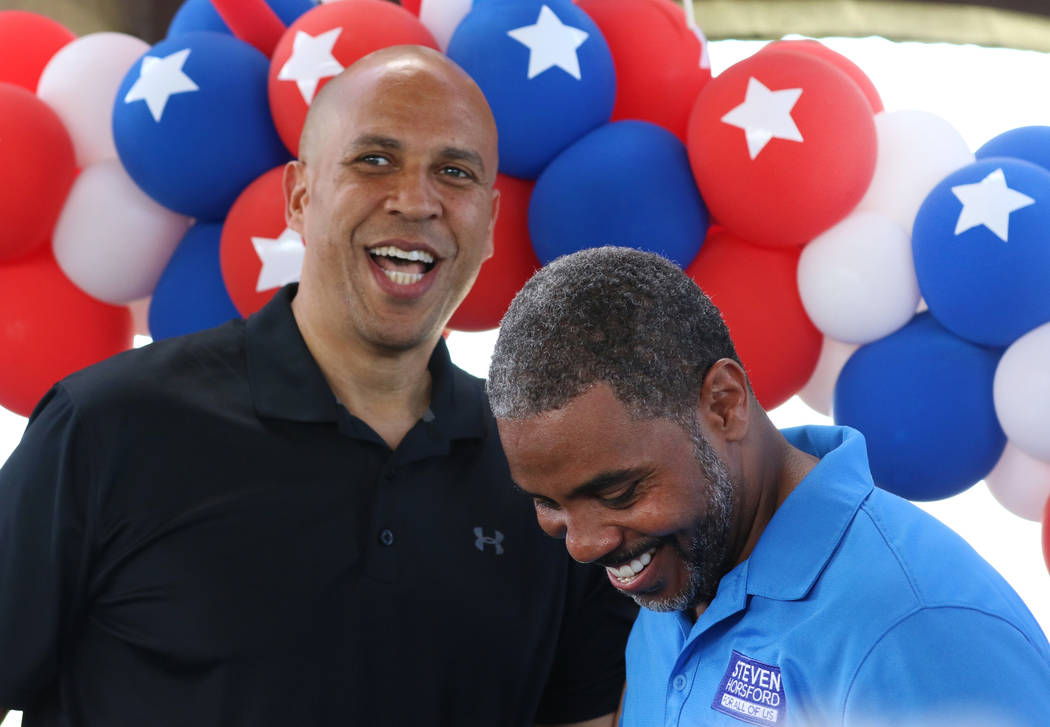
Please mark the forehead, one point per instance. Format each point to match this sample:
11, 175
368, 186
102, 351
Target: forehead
412, 102
553, 452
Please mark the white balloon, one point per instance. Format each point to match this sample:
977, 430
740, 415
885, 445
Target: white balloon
1020, 483
1022, 392
442, 17
819, 391
857, 279
111, 239
916, 150
80, 83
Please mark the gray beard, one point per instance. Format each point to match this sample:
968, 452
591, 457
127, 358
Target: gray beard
706, 552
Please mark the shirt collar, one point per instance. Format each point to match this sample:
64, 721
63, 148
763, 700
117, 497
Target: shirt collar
286, 382
808, 526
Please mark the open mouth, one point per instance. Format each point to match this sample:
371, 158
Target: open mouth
628, 572
403, 267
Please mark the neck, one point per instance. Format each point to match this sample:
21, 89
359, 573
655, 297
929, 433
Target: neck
388, 389
778, 469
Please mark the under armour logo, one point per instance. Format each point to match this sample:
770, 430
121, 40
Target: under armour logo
483, 540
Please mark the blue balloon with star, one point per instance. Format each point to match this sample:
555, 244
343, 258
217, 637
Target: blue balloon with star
546, 71
195, 15
922, 397
192, 124
625, 183
981, 246
190, 294
1030, 143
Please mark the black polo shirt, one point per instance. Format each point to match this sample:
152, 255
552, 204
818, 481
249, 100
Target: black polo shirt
198, 533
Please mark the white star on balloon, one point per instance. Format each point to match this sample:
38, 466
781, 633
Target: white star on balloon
281, 257
989, 203
160, 79
310, 61
551, 43
765, 115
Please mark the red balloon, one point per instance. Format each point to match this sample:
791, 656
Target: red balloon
39, 163
844, 64
363, 26
252, 21
782, 145
411, 6
511, 265
27, 43
657, 58
49, 328
756, 290
257, 213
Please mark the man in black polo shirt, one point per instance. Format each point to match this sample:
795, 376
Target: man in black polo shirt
306, 517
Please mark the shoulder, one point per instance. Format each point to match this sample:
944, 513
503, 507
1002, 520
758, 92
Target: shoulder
198, 364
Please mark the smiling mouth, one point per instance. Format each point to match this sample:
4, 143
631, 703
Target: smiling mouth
403, 267
626, 573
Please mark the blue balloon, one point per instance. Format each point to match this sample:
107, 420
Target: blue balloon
194, 15
1030, 143
626, 183
546, 71
981, 245
192, 123
190, 294
922, 397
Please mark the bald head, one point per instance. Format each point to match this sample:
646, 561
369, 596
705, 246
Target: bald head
416, 71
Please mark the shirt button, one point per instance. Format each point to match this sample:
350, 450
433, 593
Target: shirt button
386, 536
679, 683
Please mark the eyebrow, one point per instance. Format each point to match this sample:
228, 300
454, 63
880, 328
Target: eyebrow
599, 483
448, 152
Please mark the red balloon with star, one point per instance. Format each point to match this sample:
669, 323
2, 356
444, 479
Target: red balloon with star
844, 64
512, 263
661, 64
321, 43
754, 287
257, 252
782, 145
38, 300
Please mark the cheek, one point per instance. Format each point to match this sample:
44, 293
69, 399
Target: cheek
551, 522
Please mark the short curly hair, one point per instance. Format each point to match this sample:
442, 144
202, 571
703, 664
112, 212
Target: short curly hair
617, 315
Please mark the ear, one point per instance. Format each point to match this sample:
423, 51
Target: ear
295, 195
490, 247
725, 400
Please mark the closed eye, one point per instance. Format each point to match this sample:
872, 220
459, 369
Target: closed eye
623, 498
542, 503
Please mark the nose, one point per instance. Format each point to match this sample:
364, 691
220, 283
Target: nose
414, 196
586, 538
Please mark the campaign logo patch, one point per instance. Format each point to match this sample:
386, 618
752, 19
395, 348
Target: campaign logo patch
751, 692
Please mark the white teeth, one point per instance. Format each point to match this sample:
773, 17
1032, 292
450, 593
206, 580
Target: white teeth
412, 255
630, 570
403, 278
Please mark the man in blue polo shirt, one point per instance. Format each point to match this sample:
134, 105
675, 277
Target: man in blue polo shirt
779, 585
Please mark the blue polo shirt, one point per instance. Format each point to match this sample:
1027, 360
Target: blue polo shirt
855, 608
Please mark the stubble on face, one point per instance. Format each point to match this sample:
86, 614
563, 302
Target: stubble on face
705, 552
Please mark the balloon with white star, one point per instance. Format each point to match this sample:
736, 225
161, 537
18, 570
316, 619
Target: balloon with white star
191, 123
782, 145
324, 41
258, 253
981, 245
546, 71
190, 294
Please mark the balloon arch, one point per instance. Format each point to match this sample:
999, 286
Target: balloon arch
867, 260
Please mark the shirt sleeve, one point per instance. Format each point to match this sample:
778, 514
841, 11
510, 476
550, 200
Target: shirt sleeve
952, 666
42, 553
588, 673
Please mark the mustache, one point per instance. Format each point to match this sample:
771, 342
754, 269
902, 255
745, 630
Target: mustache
619, 557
